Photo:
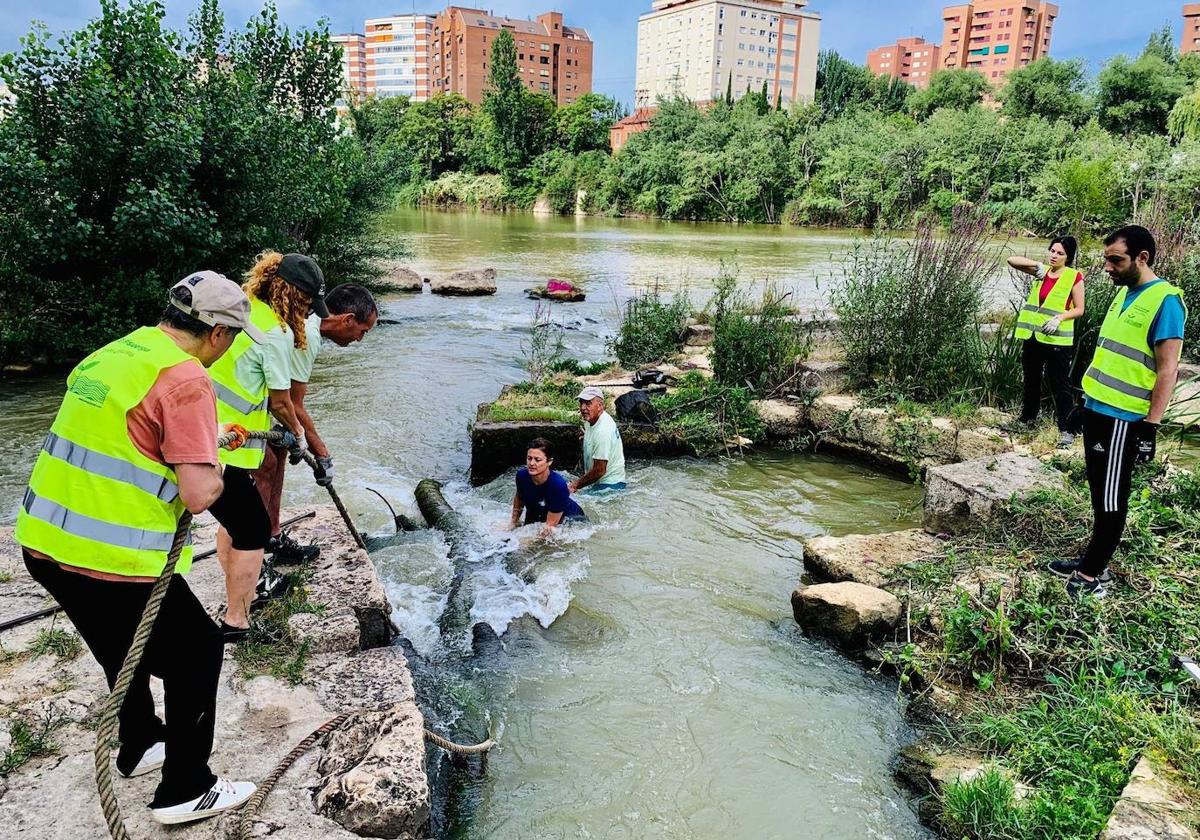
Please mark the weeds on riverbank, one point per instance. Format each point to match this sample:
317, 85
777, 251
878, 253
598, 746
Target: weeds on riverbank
1062, 695
269, 647
30, 738
706, 416
549, 401
651, 328
62, 644
756, 346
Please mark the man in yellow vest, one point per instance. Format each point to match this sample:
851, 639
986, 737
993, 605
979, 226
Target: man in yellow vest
1128, 387
133, 445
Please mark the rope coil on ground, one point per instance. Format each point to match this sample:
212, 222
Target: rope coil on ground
106, 734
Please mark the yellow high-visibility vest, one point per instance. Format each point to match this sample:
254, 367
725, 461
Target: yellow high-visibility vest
94, 500
1124, 369
235, 404
1036, 313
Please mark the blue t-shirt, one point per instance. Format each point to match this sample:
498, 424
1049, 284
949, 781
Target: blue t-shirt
1167, 324
552, 497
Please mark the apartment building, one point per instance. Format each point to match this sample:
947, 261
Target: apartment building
397, 56
552, 57
910, 60
698, 48
995, 37
354, 68
1191, 28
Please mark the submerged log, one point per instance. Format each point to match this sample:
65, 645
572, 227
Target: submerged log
460, 535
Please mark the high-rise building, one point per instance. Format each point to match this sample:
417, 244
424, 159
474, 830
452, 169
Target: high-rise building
354, 68
552, 57
995, 37
910, 60
701, 48
1191, 28
397, 56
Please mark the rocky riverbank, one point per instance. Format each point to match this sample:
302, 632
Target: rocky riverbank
368, 779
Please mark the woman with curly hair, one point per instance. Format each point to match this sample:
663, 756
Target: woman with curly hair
253, 381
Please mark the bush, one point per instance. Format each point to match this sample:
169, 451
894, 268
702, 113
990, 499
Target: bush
910, 311
755, 346
651, 329
707, 416
133, 155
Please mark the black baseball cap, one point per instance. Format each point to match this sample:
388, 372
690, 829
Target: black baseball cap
304, 273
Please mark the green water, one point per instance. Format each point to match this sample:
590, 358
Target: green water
653, 684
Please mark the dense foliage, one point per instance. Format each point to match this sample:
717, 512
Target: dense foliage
133, 154
1063, 153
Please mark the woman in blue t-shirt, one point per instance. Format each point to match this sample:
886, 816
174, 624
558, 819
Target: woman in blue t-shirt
541, 492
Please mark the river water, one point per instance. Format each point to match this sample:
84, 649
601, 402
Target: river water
653, 683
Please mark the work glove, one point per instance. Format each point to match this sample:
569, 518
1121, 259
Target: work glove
1051, 326
1147, 442
324, 472
240, 436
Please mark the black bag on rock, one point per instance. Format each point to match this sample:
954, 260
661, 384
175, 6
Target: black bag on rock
635, 407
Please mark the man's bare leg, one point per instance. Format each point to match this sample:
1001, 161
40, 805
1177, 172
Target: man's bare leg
241, 569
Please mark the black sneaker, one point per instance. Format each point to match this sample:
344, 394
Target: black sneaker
285, 551
1067, 568
232, 634
1078, 586
271, 585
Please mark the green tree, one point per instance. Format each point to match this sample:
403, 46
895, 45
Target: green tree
134, 154
583, 125
954, 89
505, 104
1183, 122
1136, 97
729, 90
1162, 45
1047, 88
841, 85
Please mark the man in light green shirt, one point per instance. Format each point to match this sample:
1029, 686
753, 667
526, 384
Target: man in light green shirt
603, 452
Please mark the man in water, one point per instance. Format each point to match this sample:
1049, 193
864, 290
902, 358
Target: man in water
1128, 387
603, 453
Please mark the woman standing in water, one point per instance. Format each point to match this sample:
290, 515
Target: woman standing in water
1047, 327
541, 492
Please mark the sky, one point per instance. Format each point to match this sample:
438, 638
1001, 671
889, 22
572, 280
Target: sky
1090, 29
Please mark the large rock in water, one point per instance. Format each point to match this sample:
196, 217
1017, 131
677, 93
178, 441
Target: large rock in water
1152, 807
851, 615
866, 558
402, 279
965, 497
466, 283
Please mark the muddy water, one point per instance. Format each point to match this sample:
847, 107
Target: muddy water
652, 683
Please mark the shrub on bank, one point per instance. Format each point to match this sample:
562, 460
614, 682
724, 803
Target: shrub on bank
651, 328
755, 346
707, 416
132, 155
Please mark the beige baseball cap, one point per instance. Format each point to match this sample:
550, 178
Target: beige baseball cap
214, 299
590, 393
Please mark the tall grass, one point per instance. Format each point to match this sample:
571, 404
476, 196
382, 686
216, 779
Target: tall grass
909, 314
651, 329
755, 346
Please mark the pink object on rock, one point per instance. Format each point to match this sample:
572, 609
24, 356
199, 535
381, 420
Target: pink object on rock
559, 286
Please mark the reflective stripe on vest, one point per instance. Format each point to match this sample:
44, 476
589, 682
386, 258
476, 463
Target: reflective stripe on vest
1124, 370
135, 539
97, 463
235, 404
1034, 314
94, 499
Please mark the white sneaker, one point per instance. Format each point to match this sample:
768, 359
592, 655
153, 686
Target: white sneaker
150, 761
222, 796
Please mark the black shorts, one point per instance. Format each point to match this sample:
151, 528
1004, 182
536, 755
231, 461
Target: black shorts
241, 511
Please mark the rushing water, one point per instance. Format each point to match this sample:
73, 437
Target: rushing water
652, 683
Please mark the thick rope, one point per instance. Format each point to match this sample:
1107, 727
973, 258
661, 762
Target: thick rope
106, 734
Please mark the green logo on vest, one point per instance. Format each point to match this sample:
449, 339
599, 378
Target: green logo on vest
91, 391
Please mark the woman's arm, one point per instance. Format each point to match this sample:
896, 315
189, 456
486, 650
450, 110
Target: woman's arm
1025, 265
552, 520
1076, 310
517, 507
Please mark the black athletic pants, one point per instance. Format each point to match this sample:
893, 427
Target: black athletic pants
1109, 447
185, 650
241, 511
1056, 361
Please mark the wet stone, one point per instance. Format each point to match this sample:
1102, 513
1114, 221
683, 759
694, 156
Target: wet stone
851, 615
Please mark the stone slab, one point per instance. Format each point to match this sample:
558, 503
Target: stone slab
851, 615
1152, 807
866, 558
968, 496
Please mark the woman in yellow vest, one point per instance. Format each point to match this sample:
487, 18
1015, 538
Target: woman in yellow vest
1046, 325
252, 382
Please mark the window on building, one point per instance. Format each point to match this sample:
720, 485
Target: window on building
545, 86
545, 59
